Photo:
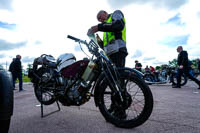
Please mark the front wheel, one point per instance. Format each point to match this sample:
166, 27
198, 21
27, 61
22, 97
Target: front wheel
139, 104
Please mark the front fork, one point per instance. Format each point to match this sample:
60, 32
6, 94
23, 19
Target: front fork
120, 95
114, 82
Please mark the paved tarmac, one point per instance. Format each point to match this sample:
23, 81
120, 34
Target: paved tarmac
176, 110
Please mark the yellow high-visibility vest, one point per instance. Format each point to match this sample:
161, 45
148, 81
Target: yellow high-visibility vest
108, 36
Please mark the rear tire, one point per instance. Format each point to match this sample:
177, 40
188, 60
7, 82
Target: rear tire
43, 95
141, 105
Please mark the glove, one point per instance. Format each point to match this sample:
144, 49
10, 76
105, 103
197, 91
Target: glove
92, 30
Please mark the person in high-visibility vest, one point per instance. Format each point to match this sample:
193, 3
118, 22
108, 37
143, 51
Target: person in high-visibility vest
114, 44
114, 39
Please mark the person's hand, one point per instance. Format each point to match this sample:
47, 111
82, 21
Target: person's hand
181, 67
93, 30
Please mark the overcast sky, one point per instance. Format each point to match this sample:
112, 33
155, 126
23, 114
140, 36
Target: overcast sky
154, 28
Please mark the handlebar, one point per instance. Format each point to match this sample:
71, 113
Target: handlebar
77, 39
92, 46
73, 38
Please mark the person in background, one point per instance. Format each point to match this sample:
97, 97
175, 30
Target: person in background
11, 69
183, 67
155, 73
147, 69
114, 43
198, 62
152, 69
191, 70
17, 72
138, 66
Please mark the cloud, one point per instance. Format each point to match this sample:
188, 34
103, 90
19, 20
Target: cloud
198, 14
4, 45
159, 62
27, 59
5, 4
77, 48
2, 55
37, 42
7, 26
169, 4
148, 58
176, 20
173, 41
137, 54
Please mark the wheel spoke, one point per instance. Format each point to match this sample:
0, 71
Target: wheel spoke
136, 107
138, 101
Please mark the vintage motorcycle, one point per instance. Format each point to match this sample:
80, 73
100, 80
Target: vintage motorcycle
73, 83
167, 75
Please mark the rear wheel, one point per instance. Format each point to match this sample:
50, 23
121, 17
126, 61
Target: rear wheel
139, 104
43, 96
42, 93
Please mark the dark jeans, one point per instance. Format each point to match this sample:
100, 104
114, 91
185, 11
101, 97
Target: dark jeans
188, 74
19, 77
156, 76
4, 126
118, 59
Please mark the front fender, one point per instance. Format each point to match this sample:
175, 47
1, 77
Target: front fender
134, 71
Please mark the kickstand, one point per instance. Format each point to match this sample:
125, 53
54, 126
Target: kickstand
42, 110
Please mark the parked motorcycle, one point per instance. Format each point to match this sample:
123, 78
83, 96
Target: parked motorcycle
164, 76
73, 83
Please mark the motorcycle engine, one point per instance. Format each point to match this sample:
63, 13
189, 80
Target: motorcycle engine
51, 76
46, 77
76, 94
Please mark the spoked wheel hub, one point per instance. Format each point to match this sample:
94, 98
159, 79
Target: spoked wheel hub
126, 103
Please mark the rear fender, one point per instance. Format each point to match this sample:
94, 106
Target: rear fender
33, 74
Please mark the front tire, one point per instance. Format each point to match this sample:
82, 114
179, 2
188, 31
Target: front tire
140, 108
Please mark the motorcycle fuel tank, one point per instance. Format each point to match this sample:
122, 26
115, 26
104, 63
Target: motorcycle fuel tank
75, 68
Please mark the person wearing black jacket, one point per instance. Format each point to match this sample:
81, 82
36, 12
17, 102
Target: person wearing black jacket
114, 43
138, 66
17, 72
183, 67
198, 62
11, 69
